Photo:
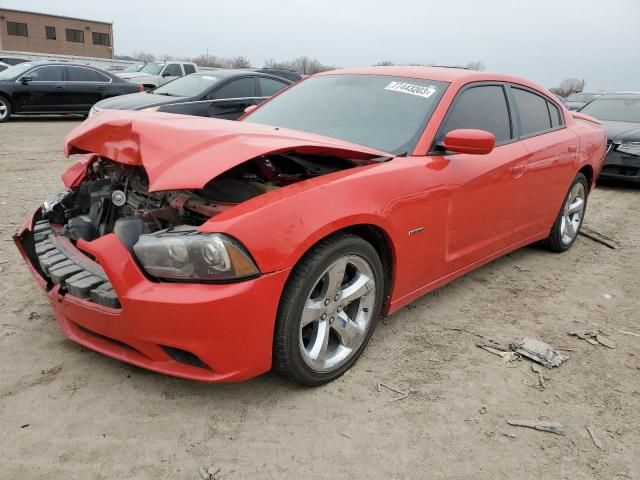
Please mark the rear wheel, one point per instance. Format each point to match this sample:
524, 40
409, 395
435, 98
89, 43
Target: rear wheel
5, 109
328, 310
565, 229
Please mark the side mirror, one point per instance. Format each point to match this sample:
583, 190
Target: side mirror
25, 80
475, 142
166, 74
250, 108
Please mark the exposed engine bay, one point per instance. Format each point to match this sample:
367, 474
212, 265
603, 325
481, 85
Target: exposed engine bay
114, 197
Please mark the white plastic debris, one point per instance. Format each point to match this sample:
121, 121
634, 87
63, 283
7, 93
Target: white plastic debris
538, 351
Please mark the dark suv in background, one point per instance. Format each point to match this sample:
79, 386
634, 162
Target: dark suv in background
37, 88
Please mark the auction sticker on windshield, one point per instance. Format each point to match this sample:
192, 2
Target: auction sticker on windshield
411, 89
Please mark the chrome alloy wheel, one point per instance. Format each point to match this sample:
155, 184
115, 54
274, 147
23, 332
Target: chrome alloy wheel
338, 313
4, 109
572, 213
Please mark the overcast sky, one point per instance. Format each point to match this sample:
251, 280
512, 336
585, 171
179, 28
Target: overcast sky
543, 40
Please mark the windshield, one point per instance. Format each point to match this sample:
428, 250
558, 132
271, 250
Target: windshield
614, 109
189, 86
136, 67
381, 112
152, 68
581, 97
14, 72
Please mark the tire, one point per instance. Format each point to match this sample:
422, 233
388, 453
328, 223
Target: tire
567, 225
5, 109
325, 317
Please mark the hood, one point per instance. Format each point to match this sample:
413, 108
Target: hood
184, 152
135, 101
622, 131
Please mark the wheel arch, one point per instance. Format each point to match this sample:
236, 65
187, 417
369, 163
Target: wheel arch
587, 171
378, 238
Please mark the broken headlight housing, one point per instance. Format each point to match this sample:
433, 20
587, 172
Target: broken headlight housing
187, 255
631, 148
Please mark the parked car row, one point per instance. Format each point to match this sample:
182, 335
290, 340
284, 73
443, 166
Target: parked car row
220, 94
36, 88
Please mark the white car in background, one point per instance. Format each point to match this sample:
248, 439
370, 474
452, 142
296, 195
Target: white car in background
154, 74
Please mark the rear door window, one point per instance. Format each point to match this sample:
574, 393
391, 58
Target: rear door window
80, 74
188, 68
533, 112
240, 88
269, 86
484, 108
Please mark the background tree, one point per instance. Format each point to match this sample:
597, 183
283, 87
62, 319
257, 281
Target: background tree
569, 86
475, 65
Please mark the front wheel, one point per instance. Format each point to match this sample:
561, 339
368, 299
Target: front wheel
328, 310
5, 109
565, 229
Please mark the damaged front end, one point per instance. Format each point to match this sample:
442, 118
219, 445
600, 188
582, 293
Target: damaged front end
159, 229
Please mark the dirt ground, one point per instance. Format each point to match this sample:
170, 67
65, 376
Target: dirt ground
68, 413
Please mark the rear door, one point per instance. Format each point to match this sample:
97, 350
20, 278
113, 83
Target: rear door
84, 87
483, 203
45, 92
230, 99
550, 166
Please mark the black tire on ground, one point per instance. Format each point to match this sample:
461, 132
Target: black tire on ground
287, 357
554, 241
5, 109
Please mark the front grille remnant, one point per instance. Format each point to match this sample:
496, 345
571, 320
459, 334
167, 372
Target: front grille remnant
73, 277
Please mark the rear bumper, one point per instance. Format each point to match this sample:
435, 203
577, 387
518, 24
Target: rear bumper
196, 331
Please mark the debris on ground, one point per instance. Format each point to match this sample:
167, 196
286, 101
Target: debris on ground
507, 356
393, 389
538, 351
629, 333
594, 337
521, 268
536, 368
542, 425
602, 340
592, 432
209, 473
483, 410
598, 237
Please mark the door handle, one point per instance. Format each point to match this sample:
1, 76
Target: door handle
59, 87
102, 87
572, 149
519, 170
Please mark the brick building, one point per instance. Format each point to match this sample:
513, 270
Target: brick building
42, 33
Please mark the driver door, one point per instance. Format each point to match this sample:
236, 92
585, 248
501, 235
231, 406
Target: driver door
485, 189
170, 72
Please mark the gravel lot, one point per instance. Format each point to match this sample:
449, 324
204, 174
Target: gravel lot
68, 413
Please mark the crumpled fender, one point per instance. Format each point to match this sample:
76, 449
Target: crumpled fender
185, 152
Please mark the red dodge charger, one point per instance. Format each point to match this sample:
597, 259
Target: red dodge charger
216, 250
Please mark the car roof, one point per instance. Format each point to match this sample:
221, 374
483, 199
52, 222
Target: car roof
231, 72
441, 74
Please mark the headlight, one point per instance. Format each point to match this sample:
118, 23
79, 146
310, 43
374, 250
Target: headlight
189, 255
94, 110
150, 109
632, 148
